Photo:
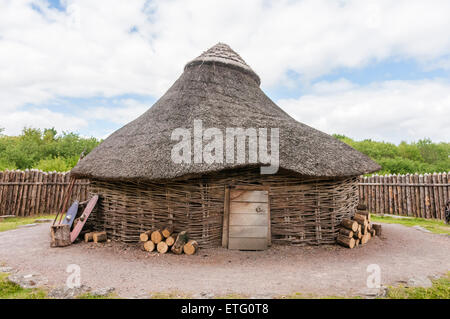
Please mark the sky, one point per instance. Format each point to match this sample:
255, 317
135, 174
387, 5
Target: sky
366, 69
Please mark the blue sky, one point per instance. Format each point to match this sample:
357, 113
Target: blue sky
378, 69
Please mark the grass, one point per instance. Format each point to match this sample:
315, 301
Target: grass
88, 295
9, 290
439, 290
14, 222
433, 225
169, 295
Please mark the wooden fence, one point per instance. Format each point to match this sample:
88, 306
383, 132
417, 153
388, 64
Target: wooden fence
33, 192
409, 195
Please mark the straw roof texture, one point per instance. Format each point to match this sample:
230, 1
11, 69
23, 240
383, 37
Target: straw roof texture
220, 89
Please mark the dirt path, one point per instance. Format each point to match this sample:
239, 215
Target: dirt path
401, 253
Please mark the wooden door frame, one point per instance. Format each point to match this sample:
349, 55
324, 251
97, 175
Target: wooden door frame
226, 211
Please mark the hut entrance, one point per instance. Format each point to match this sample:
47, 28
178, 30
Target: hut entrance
248, 219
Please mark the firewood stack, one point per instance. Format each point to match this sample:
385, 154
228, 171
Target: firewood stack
164, 240
359, 230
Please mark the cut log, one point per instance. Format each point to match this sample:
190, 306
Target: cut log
60, 236
99, 237
171, 240
377, 228
346, 232
162, 247
166, 232
360, 219
365, 214
365, 238
345, 241
156, 236
149, 246
364, 229
89, 237
190, 247
361, 207
182, 238
145, 236
349, 224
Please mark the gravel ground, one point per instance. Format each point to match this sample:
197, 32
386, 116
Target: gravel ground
402, 253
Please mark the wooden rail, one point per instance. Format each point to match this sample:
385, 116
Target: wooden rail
413, 195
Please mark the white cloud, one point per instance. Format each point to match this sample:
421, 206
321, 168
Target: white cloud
15, 121
90, 50
129, 110
391, 111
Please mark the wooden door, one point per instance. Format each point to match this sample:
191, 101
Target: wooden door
249, 219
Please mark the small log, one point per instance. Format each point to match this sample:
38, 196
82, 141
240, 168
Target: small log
190, 247
365, 238
156, 236
89, 237
99, 237
349, 224
145, 236
360, 219
365, 214
182, 238
166, 232
162, 247
345, 241
346, 232
149, 246
361, 207
377, 228
171, 240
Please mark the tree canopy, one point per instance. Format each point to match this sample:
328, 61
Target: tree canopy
49, 151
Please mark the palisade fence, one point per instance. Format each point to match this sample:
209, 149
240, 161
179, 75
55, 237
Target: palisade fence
33, 192
412, 195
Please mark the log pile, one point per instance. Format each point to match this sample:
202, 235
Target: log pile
165, 240
358, 230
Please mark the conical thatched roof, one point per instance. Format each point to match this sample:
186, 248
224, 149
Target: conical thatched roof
220, 89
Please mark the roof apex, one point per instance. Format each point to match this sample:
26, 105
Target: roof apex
222, 53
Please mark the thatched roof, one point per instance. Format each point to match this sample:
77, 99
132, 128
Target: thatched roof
220, 89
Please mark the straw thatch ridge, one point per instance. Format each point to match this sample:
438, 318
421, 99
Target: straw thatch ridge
222, 93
